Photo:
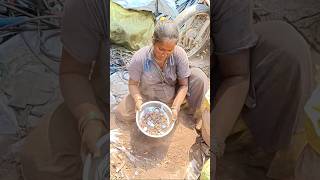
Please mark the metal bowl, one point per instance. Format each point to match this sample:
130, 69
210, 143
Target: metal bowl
161, 108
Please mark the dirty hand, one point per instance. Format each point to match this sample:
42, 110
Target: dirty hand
92, 132
139, 103
174, 113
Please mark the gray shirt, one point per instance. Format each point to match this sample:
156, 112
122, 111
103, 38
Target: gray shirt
157, 84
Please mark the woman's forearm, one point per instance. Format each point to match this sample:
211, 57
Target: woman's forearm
229, 102
181, 94
77, 90
78, 95
134, 90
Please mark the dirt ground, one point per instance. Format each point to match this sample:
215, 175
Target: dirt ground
165, 158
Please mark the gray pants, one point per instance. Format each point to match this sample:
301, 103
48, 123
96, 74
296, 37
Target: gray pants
198, 86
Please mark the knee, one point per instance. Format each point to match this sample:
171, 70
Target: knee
277, 28
125, 110
278, 38
284, 37
198, 79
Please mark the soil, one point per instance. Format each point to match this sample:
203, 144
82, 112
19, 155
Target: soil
154, 158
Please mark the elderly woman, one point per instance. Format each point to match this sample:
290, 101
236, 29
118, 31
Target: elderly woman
161, 72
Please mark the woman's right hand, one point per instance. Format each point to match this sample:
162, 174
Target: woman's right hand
139, 103
92, 132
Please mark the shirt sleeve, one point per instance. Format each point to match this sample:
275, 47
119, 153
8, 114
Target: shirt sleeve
183, 69
135, 68
80, 34
232, 26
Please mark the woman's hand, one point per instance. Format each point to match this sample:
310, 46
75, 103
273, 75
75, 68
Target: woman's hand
92, 132
181, 94
92, 128
139, 103
135, 93
175, 112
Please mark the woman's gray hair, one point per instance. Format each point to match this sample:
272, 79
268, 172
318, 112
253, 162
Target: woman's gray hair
165, 29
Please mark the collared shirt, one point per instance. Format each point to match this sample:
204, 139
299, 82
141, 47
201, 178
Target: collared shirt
157, 84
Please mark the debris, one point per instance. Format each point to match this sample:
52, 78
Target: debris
120, 167
119, 86
155, 122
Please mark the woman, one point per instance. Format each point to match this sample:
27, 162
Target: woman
263, 73
161, 72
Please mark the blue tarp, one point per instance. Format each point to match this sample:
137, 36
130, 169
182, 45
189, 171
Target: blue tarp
166, 7
182, 4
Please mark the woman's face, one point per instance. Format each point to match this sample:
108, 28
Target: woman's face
163, 49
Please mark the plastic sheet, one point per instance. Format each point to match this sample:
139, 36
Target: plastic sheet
166, 7
312, 124
312, 108
182, 4
97, 168
130, 28
118, 87
198, 154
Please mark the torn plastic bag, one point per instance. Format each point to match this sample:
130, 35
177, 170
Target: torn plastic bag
130, 28
312, 108
205, 172
119, 86
97, 168
312, 124
166, 7
198, 155
182, 4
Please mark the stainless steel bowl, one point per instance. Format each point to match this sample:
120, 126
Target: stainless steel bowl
150, 106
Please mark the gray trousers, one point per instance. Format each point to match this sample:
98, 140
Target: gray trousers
198, 86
